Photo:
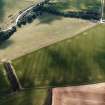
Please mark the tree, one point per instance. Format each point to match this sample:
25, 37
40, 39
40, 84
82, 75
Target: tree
14, 29
29, 18
23, 21
33, 15
4, 36
38, 13
19, 23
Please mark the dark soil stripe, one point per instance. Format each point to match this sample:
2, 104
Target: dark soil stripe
12, 77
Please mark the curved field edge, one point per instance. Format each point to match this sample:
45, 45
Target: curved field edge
75, 61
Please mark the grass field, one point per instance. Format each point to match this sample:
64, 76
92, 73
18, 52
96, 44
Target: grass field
75, 61
10, 8
27, 97
78, 5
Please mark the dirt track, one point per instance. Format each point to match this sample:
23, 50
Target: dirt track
80, 95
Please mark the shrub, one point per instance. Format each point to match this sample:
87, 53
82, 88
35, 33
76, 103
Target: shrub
33, 15
4, 36
14, 29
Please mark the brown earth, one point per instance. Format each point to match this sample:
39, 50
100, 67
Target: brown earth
79, 95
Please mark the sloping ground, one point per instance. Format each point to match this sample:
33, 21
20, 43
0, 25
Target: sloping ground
46, 30
75, 61
79, 95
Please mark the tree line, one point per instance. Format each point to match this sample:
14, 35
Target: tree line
45, 7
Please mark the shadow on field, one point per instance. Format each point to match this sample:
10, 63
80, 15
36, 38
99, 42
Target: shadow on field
2, 4
47, 18
73, 71
5, 44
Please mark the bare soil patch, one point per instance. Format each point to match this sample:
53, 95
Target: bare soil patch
80, 95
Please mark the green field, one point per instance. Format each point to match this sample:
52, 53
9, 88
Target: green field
93, 5
75, 61
27, 97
